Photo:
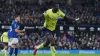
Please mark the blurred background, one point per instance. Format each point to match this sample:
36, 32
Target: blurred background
71, 35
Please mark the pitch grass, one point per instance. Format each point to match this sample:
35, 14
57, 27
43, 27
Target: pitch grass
57, 55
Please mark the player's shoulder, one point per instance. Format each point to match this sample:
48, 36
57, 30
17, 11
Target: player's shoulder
5, 32
49, 10
60, 10
13, 22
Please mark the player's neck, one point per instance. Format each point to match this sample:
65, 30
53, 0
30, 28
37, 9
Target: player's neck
16, 20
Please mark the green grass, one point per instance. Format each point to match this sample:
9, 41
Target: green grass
57, 55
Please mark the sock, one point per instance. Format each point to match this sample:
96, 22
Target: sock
40, 46
11, 51
53, 51
4, 52
16, 51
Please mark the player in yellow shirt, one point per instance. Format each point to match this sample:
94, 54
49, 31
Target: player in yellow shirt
51, 17
4, 40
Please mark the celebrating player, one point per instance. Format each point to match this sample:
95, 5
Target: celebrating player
4, 40
12, 34
51, 17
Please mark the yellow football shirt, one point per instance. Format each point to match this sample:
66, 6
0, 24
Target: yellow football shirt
4, 37
51, 19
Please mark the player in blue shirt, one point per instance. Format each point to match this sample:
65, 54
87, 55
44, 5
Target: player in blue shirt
12, 35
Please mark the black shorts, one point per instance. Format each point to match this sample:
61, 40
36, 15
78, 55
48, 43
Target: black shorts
48, 32
4, 43
49, 35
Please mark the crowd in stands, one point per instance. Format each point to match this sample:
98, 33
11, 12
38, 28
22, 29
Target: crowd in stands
29, 13
87, 15
70, 41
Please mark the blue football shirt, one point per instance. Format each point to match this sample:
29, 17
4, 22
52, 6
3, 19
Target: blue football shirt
11, 32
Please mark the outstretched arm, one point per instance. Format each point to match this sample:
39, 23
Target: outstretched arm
71, 18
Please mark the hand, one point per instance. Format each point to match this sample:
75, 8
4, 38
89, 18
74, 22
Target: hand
22, 34
77, 19
23, 30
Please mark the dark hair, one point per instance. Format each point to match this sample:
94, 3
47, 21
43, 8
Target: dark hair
56, 6
16, 16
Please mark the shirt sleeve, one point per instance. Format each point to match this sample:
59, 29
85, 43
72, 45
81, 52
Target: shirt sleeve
46, 14
61, 13
14, 26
